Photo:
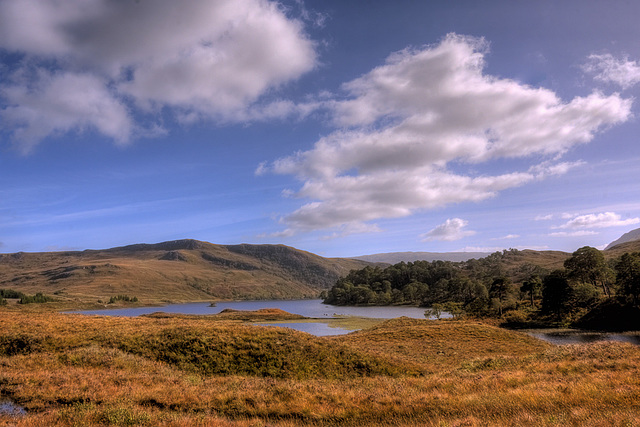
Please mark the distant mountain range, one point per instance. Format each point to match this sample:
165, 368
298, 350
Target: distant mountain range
192, 270
396, 257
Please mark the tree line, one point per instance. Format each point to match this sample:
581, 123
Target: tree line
488, 287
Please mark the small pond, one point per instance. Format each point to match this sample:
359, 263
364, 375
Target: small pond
318, 329
572, 336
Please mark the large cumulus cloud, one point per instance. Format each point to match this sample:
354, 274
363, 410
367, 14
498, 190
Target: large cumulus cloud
199, 58
409, 132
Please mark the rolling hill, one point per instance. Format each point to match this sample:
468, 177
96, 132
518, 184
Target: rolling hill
176, 271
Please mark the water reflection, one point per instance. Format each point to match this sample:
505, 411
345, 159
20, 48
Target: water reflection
318, 329
583, 337
9, 408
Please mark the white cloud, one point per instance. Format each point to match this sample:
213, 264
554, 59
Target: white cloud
203, 59
543, 217
606, 68
601, 220
404, 122
507, 237
578, 233
452, 229
59, 103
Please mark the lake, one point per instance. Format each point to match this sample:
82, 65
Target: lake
313, 308
308, 308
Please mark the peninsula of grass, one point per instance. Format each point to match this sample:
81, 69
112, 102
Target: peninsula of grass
179, 371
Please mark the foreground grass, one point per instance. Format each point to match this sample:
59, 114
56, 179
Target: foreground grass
175, 371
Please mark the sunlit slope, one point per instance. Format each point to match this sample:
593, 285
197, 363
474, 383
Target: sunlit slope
432, 345
619, 249
182, 270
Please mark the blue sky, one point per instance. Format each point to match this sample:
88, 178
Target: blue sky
338, 127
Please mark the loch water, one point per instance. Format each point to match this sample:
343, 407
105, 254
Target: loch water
309, 308
312, 308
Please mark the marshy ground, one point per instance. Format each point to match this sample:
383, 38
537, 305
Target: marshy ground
217, 370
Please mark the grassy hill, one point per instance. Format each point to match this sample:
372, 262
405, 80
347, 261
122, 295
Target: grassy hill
181, 270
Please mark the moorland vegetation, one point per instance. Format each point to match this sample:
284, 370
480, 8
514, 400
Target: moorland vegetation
224, 370
70, 370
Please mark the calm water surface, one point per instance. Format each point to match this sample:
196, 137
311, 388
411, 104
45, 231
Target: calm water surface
582, 337
308, 308
7, 407
316, 309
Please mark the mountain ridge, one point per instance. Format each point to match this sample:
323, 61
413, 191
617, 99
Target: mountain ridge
175, 271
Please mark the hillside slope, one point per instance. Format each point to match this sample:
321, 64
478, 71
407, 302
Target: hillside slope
631, 236
181, 270
621, 248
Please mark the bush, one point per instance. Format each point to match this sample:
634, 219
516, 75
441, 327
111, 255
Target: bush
515, 317
125, 298
38, 298
10, 293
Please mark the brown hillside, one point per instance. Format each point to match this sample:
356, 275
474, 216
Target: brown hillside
181, 270
548, 260
617, 250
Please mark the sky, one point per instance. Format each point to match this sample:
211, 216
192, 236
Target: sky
338, 127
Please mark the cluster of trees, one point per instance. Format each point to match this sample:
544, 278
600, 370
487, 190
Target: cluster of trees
125, 298
419, 283
488, 287
588, 278
22, 298
38, 298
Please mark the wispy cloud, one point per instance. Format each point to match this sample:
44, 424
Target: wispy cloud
543, 217
578, 233
452, 229
601, 220
608, 69
507, 237
91, 214
401, 124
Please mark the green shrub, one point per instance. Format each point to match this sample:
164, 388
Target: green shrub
125, 298
38, 298
10, 293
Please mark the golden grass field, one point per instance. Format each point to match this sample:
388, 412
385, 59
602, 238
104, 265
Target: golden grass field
74, 370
